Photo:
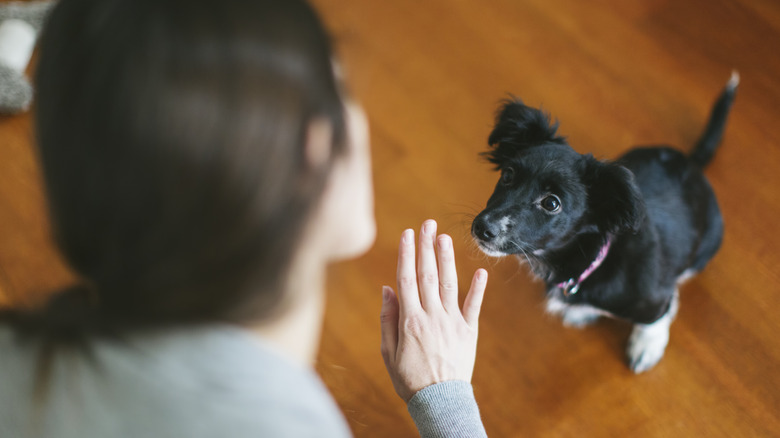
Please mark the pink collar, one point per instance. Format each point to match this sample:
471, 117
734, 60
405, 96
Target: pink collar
571, 287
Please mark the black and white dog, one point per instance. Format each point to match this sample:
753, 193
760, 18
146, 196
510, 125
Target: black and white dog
608, 238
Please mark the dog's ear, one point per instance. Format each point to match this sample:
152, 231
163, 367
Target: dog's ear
614, 200
519, 127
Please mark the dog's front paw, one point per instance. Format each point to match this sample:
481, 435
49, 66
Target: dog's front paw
647, 345
575, 316
579, 317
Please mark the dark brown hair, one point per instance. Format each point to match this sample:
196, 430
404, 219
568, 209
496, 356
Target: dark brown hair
171, 135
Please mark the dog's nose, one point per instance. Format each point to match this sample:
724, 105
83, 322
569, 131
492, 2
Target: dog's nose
484, 230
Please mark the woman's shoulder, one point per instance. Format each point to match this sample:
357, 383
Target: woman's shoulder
199, 382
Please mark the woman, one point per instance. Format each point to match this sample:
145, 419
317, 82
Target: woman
203, 166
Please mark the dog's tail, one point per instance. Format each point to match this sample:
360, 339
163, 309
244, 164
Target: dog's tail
709, 141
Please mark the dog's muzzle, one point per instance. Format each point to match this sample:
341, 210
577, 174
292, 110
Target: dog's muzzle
487, 233
484, 230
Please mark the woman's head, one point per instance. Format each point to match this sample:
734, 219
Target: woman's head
187, 147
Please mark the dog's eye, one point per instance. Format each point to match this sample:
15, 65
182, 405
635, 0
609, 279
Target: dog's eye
551, 203
507, 176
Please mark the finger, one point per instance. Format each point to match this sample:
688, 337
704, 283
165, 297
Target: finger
408, 296
388, 319
427, 271
473, 303
448, 275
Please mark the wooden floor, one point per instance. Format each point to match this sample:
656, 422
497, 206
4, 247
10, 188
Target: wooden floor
615, 74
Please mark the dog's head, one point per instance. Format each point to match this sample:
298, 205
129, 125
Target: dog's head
548, 193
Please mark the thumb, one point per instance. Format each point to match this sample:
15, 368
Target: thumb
388, 318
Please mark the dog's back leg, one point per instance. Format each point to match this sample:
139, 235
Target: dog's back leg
647, 343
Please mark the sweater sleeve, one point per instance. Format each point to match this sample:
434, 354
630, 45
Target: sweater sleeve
447, 410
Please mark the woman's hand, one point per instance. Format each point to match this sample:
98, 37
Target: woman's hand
426, 338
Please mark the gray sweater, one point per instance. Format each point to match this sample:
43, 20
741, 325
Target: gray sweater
212, 382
